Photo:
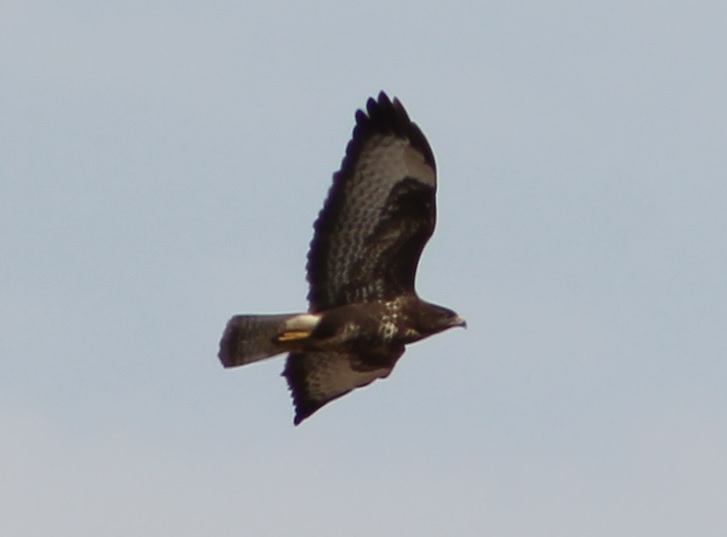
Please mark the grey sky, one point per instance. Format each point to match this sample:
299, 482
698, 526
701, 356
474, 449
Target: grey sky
163, 163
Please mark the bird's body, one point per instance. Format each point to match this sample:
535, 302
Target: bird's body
368, 238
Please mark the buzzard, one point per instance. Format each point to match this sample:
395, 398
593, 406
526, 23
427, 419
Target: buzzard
363, 308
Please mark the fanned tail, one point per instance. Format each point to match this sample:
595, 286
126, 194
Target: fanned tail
249, 338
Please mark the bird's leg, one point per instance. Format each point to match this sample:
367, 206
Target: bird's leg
293, 335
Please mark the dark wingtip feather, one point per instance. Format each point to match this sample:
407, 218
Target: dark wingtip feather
385, 115
303, 412
304, 405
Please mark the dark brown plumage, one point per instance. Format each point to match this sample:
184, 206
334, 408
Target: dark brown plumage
379, 214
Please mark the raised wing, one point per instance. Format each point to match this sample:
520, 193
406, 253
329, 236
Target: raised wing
379, 214
317, 378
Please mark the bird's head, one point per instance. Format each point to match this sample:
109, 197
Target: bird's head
435, 319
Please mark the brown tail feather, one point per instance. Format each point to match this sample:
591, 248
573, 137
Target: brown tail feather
249, 338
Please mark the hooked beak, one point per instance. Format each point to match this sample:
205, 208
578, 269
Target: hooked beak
459, 321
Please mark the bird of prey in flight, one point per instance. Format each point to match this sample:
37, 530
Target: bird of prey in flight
363, 306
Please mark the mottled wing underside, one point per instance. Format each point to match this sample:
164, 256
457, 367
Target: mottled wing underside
379, 214
316, 378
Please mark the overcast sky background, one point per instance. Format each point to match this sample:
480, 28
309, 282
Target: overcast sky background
162, 165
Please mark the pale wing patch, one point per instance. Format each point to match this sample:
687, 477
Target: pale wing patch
333, 375
417, 167
391, 159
